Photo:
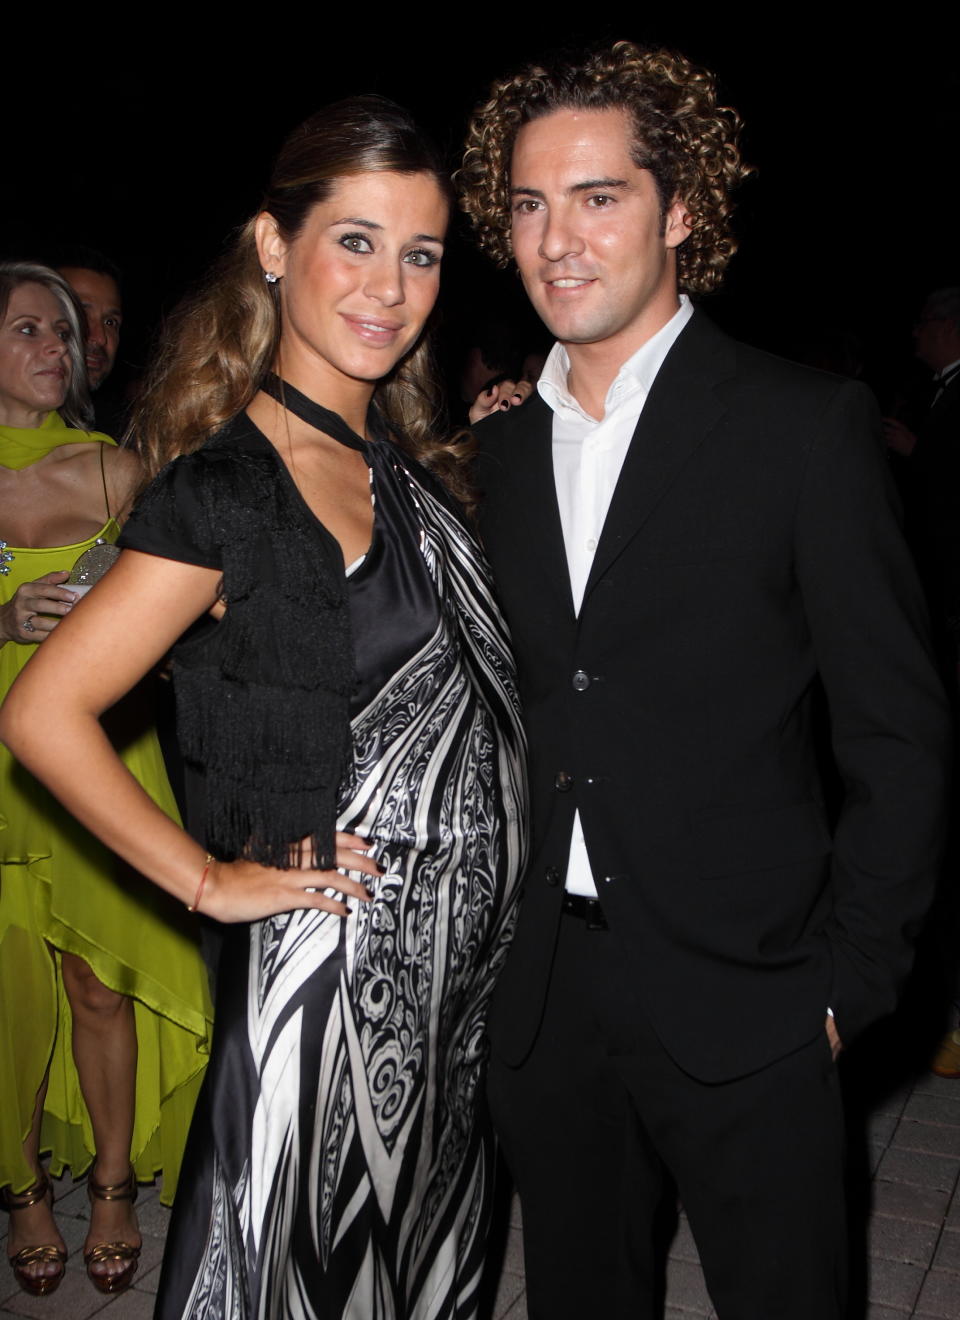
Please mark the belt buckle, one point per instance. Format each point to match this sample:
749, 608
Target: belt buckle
594, 915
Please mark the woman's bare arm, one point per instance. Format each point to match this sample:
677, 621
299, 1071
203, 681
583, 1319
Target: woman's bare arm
50, 722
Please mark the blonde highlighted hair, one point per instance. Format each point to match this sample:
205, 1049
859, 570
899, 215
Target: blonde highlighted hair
76, 409
220, 342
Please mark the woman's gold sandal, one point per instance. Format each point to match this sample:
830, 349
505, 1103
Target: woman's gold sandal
121, 1280
38, 1285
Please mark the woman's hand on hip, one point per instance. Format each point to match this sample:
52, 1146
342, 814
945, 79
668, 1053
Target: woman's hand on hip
246, 891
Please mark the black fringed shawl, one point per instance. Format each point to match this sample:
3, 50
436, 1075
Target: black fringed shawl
262, 697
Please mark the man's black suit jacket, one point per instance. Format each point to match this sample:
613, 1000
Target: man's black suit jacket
751, 545
931, 489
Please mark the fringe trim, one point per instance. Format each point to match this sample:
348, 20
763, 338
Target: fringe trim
263, 700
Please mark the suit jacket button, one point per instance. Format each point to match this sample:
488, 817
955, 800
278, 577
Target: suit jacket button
552, 876
581, 681
563, 781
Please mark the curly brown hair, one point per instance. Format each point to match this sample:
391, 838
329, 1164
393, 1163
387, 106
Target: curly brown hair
681, 135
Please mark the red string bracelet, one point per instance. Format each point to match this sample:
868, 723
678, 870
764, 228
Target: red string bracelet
192, 907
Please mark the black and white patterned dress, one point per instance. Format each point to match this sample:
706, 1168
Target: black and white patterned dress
340, 1161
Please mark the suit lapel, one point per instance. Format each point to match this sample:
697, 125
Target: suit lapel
680, 412
535, 507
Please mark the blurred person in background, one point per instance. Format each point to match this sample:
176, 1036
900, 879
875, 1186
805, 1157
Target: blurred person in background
105, 1011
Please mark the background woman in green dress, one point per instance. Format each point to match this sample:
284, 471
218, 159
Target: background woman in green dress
104, 1006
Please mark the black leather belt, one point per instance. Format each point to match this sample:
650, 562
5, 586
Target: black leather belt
587, 909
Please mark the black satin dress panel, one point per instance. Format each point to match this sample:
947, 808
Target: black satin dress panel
393, 603
340, 1163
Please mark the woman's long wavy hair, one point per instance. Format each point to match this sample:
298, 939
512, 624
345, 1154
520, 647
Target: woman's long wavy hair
220, 342
681, 135
76, 410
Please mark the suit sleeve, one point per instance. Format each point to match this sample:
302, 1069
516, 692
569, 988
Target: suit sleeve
889, 719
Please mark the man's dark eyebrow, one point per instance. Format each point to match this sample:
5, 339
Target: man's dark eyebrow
588, 185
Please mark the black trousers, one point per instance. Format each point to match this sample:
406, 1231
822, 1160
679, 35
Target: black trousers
596, 1111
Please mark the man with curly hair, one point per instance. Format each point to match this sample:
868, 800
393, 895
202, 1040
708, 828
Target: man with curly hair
690, 537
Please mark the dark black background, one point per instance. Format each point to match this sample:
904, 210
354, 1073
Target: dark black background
153, 144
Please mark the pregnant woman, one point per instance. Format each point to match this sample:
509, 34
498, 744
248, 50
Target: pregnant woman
347, 712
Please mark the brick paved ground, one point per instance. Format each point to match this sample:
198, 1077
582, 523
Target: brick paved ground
910, 1148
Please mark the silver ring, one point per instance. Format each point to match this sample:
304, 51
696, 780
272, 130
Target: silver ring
27, 626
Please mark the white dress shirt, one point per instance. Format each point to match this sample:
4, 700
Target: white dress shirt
587, 458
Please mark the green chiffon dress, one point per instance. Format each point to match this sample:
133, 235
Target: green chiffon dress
62, 891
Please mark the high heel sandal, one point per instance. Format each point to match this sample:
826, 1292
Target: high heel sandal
123, 1251
38, 1285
